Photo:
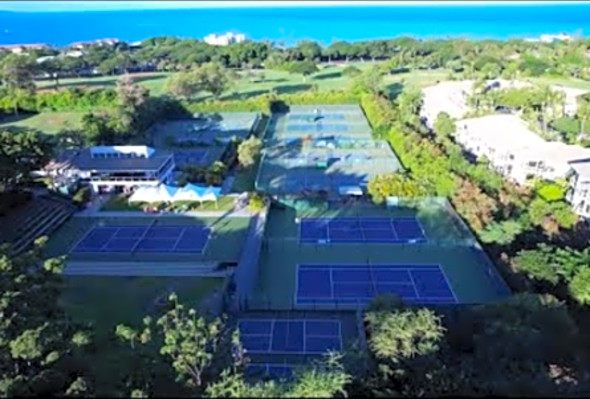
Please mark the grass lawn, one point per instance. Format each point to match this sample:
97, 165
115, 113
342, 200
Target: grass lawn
106, 302
571, 82
119, 202
155, 81
328, 78
47, 122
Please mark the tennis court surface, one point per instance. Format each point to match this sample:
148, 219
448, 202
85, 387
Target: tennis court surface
290, 336
189, 157
315, 116
330, 284
318, 127
361, 230
146, 238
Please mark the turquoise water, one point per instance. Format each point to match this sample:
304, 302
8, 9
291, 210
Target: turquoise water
292, 24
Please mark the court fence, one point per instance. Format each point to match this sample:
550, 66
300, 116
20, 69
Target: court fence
461, 236
246, 273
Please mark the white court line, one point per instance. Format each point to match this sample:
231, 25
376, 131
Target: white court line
331, 283
73, 247
272, 330
178, 239
393, 228
110, 239
304, 336
414, 284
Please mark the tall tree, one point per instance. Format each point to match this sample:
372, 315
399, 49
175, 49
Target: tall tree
249, 151
22, 153
40, 348
17, 72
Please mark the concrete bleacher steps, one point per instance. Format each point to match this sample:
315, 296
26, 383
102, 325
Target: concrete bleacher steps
136, 269
41, 217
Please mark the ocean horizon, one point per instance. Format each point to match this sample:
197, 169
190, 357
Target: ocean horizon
291, 24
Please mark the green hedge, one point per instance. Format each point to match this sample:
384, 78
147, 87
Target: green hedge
264, 102
72, 99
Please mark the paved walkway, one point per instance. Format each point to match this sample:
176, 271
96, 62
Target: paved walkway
93, 213
167, 269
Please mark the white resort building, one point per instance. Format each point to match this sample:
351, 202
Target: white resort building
108, 168
515, 151
225, 39
579, 192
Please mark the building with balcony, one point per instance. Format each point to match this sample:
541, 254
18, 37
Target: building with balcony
515, 151
579, 187
113, 168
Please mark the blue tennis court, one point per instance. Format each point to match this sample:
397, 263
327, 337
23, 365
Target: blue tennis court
127, 239
317, 127
189, 157
330, 117
301, 336
353, 284
361, 230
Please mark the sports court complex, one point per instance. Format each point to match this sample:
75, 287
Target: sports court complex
202, 140
319, 265
304, 270
321, 148
97, 246
342, 257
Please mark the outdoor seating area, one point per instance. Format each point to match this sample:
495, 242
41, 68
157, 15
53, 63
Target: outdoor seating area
169, 194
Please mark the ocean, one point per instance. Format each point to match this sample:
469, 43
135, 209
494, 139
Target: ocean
289, 25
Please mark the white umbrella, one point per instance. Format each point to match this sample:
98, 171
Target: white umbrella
166, 192
145, 194
190, 192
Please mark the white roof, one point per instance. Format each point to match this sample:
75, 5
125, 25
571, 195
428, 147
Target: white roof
138, 150
450, 97
145, 194
350, 190
582, 168
509, 132
502, 131
160, 193
190, 192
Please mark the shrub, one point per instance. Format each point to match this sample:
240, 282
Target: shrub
82, 196
256, 201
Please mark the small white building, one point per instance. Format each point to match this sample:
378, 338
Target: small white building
514, 150
106, 168
579, 191
224, 39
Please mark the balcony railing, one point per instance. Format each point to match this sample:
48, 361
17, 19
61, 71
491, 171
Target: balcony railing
124, 179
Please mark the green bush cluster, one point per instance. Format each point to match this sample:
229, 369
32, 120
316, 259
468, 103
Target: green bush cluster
71, 99
82, 196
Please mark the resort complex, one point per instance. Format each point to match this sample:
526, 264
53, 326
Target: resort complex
233, 218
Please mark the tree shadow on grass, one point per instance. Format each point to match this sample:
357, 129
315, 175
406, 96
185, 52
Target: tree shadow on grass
394, 89
331, 75
283, 89
110, 82
289, 89
15, 118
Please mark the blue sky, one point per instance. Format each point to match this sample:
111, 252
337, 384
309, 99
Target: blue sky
55, 6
